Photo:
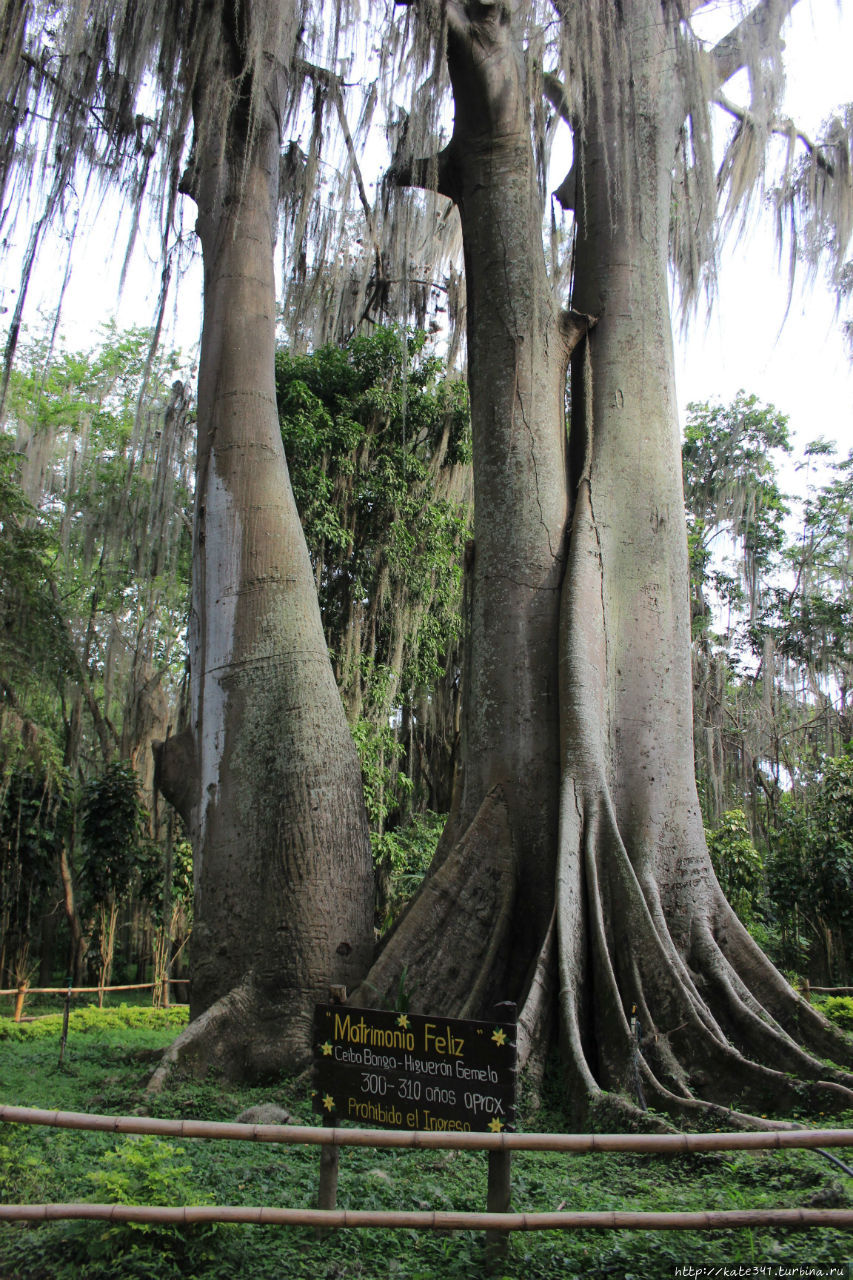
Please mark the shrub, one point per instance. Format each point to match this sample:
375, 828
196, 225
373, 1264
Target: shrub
840, 1010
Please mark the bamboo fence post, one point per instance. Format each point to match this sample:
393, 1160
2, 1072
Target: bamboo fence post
20, 997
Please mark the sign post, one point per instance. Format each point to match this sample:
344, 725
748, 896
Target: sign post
415, 1071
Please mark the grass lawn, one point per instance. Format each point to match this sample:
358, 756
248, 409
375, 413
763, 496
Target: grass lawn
109, 1056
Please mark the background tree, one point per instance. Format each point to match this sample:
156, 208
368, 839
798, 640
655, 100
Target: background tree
735, 527
810, 873
810, 619
737, 864
113, 825
97, 447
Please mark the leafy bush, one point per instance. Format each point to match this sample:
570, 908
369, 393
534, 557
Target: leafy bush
840, 1009
141, 1170
737, 863
92, 1020
810, 869
403, 856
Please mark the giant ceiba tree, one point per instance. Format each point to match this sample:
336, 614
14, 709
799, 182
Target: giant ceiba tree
573, 876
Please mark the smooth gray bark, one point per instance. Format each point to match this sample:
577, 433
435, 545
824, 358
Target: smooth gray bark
268, 775
489, 897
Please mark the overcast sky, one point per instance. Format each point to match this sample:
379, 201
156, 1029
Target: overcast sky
805, 370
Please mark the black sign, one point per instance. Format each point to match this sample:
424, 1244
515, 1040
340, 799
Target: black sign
411, 1071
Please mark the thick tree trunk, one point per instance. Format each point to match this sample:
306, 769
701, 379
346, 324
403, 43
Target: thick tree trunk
664, 999
665, 995
491, 886
283, 876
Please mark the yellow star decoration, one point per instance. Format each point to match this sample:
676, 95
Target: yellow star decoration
329, 1102
327, 1049
495, 1125
499, 1036
403, 1021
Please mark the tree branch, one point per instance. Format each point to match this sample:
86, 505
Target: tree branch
759, 26
784, 127
555, 91
176, 772
365, 203
432, 173
452, 11
574, 326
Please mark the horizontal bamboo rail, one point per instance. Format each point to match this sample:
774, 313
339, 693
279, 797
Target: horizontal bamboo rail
433, 1220
661, 1143
436, 1220
76, 991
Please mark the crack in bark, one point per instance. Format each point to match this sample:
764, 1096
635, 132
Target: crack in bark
519, 398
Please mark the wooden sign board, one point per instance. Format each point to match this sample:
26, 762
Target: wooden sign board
412, 1071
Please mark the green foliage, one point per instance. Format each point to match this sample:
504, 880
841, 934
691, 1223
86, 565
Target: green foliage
772, 623
106, 480
839, 1009
96, 469
813, 624
145, 1170
810, 868
405, 855
402, 853
378, 446
830, 831
34, 812
182, 873
93, 1021
730, 488
33, 641
141, 1170
113, 827
379, 752
738, 864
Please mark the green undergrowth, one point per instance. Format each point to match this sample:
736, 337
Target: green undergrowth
107, 1062
839, 1009
94, 1021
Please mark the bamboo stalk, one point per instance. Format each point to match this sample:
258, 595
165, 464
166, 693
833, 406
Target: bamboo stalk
664, 1143
20, 997
53, 991
433, 1220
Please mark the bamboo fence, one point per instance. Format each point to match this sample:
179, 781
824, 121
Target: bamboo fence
503, 1223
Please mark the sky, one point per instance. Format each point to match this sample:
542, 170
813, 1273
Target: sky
789, 352
800, 362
